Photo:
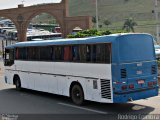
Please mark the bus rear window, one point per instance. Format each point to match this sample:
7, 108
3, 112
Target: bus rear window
135, 49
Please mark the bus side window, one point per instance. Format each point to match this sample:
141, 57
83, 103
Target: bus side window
88, 53
56, 51
59, 53
98, 53
108, 53
33, 53
22, 53
36, 53
93, 53
52, 53
103, 53
17, 53
45, 53
82, 53
29, 50
67, 53
75, 53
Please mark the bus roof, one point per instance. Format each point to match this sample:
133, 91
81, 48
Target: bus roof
98, 39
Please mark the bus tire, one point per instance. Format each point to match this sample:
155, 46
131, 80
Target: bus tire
77, 94
17, 83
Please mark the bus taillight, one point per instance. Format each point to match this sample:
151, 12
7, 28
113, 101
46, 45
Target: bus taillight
150, 84
124, 87
131, 86
155, 83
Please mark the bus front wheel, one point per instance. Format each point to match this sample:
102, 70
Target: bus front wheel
18, 83
77, 94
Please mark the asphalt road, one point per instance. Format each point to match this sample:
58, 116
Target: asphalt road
28, 104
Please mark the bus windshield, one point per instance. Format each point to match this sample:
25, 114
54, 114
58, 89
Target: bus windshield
136, 48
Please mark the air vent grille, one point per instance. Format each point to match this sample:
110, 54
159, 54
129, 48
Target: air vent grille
105, 89
153, 69
123, 73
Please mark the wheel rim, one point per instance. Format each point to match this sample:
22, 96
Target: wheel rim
77, 95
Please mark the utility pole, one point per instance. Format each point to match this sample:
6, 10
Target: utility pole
97, 21
156, 18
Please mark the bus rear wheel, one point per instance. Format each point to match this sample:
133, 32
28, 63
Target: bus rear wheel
77, 94
18, 83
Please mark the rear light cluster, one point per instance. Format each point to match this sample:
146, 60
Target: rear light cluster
131, 86
150, 84
124, 87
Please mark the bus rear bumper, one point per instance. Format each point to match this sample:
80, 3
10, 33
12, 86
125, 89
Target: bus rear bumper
134, 95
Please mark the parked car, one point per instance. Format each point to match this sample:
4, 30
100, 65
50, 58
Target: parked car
157, 51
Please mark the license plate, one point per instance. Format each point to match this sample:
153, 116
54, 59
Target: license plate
139, 72
140, 81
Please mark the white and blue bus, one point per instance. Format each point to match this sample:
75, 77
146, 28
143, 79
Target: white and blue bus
116, 68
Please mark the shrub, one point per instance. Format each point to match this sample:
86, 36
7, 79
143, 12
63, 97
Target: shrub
92, 32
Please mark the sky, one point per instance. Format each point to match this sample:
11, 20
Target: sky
6, 4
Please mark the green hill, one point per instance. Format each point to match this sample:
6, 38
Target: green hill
116, 11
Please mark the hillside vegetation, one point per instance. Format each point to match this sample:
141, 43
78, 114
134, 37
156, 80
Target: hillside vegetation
116, 11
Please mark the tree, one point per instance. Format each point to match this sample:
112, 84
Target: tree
100, 26
94, 19
107, 22
89, 33
129, 25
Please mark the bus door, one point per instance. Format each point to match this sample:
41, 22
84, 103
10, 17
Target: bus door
9, 57
8, 63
